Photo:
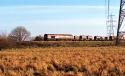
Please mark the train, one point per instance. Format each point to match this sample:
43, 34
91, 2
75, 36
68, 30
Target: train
69, 37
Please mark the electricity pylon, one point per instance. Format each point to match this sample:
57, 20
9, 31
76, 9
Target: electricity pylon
110, 25
109, 21
121, 19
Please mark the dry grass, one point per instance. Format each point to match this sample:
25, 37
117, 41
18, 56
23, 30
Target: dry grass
63, 61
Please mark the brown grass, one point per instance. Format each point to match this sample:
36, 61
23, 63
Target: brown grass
63, 61
67, 43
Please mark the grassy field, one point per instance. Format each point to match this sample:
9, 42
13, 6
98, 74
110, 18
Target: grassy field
4, 44
63, 61
68, 43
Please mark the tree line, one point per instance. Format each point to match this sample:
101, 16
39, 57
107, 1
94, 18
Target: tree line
18, 34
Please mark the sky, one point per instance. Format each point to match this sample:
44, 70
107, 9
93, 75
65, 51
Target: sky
77, 17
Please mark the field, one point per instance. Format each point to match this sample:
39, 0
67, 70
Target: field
4, 44
63, 61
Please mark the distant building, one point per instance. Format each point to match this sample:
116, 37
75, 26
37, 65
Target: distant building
57, 36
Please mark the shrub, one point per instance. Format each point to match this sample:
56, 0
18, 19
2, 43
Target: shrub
39, 38
6, 43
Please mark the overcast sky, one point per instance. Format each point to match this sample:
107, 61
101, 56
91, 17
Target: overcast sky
75, 17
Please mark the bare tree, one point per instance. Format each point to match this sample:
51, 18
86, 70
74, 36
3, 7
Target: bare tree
19, 34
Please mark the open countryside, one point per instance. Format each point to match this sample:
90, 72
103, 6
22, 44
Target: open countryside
62, 38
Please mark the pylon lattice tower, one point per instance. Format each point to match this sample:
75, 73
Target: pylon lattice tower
109, 20
110, 25
121, 19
